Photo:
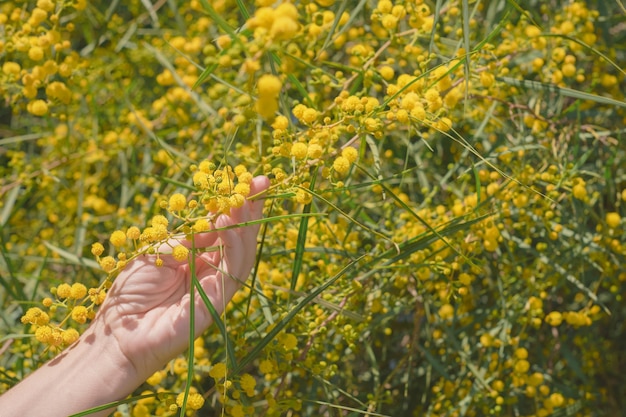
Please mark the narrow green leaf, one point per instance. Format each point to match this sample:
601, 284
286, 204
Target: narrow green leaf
301, 242
354, 12
206, 73
347, 216
218, 322
524, 12
292, 313
124, 401
243, 9
591, 48
22, 138
9, 202
192, 327
219, 20
72, 258
434, 362
564, 91
355, 411
466, 38
476, 182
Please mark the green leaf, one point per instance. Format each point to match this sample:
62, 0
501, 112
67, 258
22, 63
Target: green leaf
280, 325
564, 91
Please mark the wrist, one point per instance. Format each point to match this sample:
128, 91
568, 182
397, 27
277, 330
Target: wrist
89, 373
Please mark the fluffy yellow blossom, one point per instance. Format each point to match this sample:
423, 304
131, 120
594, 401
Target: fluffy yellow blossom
554, 318
389, 21
557, 400
303, 197
80, 4
37, 107
289, 341
579, 191
133, 233
118, 238
97, 249
80, 314
341, 165
36, 53
248, 384
284, 27
314, 151
576, 318
281, 122
487, 79
288, 10
266, 107
69, 336
47, 5
177, 202
11, 68
37, 17
236, 200
96, 295
446, 312
35, 315
195, 401
386, 72
532, 31
371, 124
201, 180
535, 379
108, 263
299, 150
613, 219
240, 169
218, 371
43, 334
266, 366
59, 91
242, 188
350, 153
521, 353
522, 366
159, 220
180, 253
309, 115
284, 24
245, 178
156, 378
153, 234
64, 291
237, 411
269, 86
78, 291
201, 225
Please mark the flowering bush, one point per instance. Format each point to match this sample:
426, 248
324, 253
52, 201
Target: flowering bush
443, 233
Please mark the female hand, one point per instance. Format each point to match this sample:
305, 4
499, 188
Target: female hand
147, 310
143, 322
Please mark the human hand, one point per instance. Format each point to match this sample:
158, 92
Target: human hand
143, 322
146, 313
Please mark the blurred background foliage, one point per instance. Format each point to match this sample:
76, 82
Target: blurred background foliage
455, 169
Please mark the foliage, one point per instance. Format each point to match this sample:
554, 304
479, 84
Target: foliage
443, 233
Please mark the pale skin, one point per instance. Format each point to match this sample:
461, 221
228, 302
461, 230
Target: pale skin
143, 322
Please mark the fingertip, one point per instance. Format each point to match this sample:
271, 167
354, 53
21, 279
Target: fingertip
201, 240
227, 235
259, 184
223, 221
